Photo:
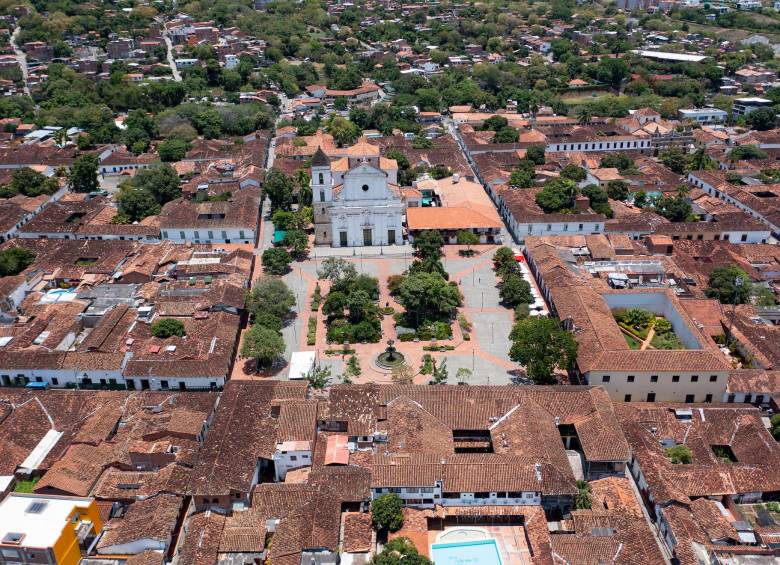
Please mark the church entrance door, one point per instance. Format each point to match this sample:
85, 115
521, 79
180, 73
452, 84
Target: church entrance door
343, 238
367, 237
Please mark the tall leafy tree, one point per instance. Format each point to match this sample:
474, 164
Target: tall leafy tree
263, 344
279, 189
83, 176
723, 285
270, 295
428, 245
542, 345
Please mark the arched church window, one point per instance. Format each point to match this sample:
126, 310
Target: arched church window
322, 179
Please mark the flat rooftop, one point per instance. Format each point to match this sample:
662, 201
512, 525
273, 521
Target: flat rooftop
38, 518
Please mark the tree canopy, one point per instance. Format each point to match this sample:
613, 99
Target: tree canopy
168, 327
83, 175
263, 344
386, 512
542, 346
729, 284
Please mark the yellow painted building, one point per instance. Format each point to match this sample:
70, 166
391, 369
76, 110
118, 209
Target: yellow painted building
46, 529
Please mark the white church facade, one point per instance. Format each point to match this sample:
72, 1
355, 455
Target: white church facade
356, 199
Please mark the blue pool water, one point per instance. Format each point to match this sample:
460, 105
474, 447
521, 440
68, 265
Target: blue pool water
477, 552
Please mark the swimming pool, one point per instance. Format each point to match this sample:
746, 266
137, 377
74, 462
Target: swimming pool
58, 295
475, 552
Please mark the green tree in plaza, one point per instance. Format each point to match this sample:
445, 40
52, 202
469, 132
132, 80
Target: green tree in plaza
542, 345
428, 245
297, 243
263, 344
428, 295
515, 290
338, 271
270, 295
276, 261
318, 376
504, 259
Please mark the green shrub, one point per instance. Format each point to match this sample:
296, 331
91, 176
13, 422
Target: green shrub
466, 336
353, 366
521, 311
342, 351
619, 314
440, 348
316, 298
408, 336
663, 326
667, 341
639, 317
427, 365
340, 330
434, 330
311, 336
464, 323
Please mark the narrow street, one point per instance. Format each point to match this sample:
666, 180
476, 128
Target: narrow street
21, 58
171, 60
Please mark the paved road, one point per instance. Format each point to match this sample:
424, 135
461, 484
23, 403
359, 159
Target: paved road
21, 58
171, 60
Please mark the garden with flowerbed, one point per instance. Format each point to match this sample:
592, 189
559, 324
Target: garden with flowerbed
429, 299
644, 330
351, 309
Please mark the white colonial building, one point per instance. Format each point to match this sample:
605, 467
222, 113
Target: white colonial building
357, 200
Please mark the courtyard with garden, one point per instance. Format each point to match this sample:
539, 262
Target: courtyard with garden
642, 329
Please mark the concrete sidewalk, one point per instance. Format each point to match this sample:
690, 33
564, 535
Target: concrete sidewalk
369, 251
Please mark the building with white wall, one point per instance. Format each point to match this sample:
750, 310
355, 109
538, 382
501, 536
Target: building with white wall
705, 116
356, 199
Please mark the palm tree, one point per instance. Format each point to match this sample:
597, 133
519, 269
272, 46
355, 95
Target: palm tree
700, 161
303, 180
533, 108
584, 116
